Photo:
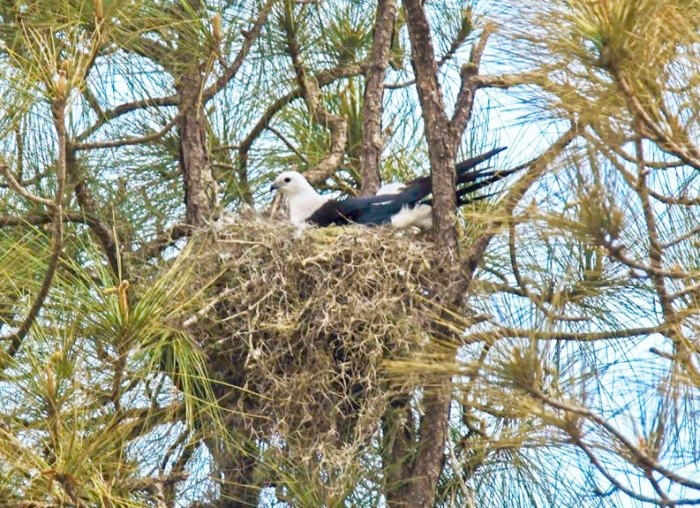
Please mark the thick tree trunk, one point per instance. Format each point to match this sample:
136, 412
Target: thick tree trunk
442, 143
398, 443
200, 187
372, 142
416, 482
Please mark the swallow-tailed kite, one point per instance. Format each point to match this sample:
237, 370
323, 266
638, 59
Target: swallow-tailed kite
402, 205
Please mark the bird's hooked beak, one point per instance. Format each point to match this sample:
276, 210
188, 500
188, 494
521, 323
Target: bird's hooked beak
273, 187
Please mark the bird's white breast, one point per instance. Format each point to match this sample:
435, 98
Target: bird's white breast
303, 205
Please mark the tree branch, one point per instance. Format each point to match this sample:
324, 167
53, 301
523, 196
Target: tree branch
23, 191
613, 481
323, 78
337, 125
505, 81
427, 463
469, 85
372, 106
35, 219
16, 338
104, 234
123, 109
127, 141
507, 332
162, 241
642, 459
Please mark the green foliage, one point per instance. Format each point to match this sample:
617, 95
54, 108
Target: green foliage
92, 384
166, 369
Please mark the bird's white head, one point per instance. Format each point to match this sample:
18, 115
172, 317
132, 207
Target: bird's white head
303, 199
291, 183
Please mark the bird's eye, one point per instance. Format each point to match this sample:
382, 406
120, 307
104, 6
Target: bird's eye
287, 180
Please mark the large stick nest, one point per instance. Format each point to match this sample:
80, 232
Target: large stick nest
297, 329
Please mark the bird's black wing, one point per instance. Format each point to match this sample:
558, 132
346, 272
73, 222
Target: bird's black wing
376, 210
381, 213
419, 189
348, 210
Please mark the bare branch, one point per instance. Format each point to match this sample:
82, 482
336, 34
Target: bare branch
682, 238
507, 332
162, 241
40, 219
642, 458
127, 141
630, 178
23, 191
616, 252
372, 142
468, 87
613, 481
123, 109
88, 205
323, 78
441, 139
505, 81
337, 125
26, 181
287, 143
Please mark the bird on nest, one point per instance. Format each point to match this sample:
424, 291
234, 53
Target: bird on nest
400, 204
